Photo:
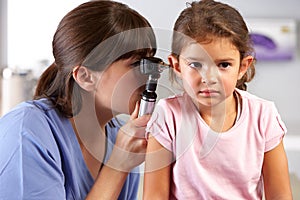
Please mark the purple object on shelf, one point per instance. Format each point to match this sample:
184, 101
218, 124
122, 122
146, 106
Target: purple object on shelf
266, 49
263, 41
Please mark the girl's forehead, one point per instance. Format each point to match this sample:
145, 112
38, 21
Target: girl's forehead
194, 50
216, 47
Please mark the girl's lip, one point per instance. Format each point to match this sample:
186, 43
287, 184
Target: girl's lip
209, 92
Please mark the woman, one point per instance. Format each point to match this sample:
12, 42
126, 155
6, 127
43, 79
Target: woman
66, 143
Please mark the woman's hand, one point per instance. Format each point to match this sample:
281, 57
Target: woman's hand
130, 147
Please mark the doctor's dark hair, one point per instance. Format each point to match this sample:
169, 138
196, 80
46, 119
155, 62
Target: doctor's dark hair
204, 20
95, 34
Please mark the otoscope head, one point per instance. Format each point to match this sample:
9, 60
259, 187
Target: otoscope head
152, 66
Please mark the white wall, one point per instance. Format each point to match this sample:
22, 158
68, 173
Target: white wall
31, 25
3, 33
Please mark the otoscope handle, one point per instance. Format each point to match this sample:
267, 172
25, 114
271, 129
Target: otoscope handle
151, 66
147, 102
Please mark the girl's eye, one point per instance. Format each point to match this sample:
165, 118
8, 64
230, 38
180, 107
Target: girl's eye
195, 65
224, 65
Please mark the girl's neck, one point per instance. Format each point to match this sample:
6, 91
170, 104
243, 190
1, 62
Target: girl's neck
220, 117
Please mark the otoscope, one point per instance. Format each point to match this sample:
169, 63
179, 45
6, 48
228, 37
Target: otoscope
152, 67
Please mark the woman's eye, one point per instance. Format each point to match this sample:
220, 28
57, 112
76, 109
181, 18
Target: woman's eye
224, 64
195, 65
136, 64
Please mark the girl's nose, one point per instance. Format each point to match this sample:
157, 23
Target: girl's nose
209, 74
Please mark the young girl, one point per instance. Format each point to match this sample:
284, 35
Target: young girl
66, 143
215, 141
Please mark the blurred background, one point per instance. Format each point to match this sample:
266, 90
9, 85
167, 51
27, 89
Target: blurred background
27, 28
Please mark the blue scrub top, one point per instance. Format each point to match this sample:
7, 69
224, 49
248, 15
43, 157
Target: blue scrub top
40, 157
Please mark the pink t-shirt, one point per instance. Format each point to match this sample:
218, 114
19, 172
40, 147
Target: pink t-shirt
211, 165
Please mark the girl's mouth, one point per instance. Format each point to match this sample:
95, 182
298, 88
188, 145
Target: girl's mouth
209, 93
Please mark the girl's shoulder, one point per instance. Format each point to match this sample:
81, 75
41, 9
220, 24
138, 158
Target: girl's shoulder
179, 105
255, 107
173, 101
252, 99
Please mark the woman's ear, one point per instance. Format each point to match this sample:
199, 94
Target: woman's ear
174, 63
84, 78
245, 64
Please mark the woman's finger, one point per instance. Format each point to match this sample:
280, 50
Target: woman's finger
135, 113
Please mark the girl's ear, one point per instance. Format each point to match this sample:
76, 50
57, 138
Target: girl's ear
245, 63
84, 78
174, 63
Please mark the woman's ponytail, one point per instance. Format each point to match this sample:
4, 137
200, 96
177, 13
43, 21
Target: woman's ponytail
58, 86
45, 81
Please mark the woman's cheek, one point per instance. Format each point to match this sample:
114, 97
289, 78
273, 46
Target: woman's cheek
126, 93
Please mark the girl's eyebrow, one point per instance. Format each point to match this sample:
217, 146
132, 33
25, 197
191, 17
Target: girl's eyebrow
224, 59
204, 59
194, 58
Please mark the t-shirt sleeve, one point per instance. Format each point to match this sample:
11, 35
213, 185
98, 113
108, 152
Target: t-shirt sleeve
161, 126
30, 172
28, 169
274, 127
